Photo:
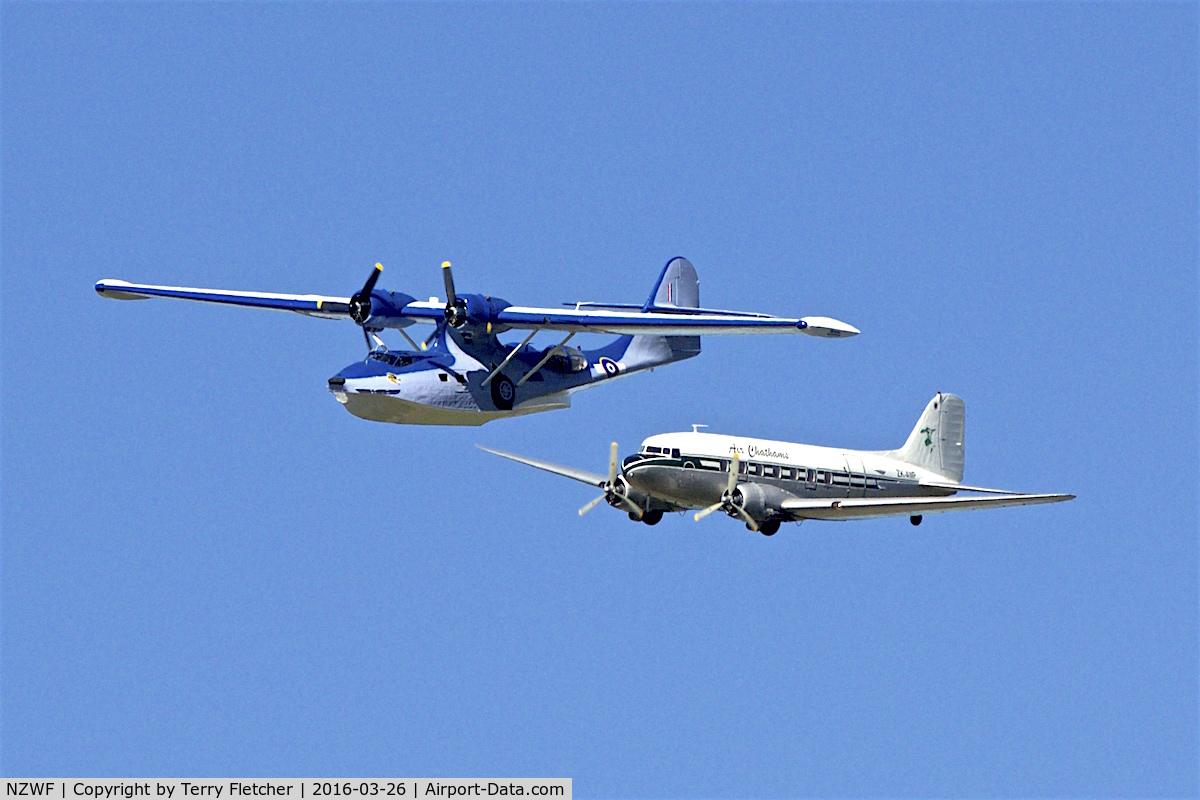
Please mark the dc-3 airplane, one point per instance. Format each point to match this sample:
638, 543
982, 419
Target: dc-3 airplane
766, 483
463, 375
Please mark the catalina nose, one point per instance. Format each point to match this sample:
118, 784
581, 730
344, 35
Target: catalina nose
337, 385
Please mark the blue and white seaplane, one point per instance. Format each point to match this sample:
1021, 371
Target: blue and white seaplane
766, 483
462, 374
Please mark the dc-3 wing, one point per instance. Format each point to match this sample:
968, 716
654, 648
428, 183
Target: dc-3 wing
862, 508
583, 476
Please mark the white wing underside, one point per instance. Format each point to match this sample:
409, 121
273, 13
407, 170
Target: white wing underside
866, 507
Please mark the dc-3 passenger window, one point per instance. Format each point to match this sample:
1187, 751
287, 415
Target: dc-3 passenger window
753, 469
769, 471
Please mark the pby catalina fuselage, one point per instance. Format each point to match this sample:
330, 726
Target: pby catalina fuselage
766, 483
462, 374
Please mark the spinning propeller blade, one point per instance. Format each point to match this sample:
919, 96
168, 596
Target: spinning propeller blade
746, 518
456, 310
610, 488
591, 505
372, 279
360, 303
726, 501
448, 278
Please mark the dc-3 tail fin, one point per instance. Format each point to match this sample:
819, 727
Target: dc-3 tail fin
936, 443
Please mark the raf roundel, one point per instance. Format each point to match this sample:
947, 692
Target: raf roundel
611, 368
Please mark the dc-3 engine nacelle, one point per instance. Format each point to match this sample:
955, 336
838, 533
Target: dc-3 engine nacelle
629, 493
758, 500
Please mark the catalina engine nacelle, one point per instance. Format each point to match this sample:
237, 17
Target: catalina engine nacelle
381, 310
476, 310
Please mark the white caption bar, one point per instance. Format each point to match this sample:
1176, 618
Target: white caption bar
289, 788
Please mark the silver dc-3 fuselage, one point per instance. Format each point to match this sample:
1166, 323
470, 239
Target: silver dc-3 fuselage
765, 483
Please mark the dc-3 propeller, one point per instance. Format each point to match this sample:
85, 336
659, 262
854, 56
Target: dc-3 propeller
728, 502
614, 490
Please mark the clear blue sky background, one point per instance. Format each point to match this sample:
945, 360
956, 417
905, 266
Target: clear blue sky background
210, 568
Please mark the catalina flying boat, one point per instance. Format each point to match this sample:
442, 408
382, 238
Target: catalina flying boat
764, 483
462, 374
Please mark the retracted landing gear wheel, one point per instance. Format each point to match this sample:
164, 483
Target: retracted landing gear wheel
652, 517
769, 528
503, 393
915, 519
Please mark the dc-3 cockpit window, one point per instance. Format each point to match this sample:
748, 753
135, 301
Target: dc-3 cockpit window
652, 449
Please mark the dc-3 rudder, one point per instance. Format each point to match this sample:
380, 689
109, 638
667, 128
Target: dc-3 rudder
462, 374
764, 483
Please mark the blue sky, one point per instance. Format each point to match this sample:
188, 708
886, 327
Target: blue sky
210, 568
